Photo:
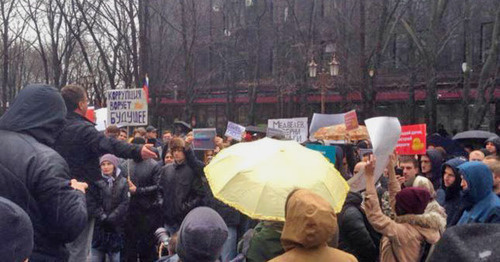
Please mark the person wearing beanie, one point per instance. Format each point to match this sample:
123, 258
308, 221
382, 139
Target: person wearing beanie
430, 166
482, 205
109, 201
492, 144
181, 184
404, 238
310, 224
449, 195
35, 177
433, 207
16, 231
468, 243
200, 237
144, 214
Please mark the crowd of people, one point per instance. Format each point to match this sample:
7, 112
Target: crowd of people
71, 193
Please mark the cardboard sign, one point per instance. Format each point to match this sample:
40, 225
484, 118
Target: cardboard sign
351, 120
412, 140
294, 128
327, 151
204, 138
234, 130
384, 134
321, 120
127, 107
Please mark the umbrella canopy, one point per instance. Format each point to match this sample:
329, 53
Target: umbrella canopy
256, 177
338, 132
474, 134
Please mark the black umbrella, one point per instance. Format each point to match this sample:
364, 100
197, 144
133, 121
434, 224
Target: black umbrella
474, 134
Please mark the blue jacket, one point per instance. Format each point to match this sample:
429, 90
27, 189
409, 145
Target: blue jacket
484, 205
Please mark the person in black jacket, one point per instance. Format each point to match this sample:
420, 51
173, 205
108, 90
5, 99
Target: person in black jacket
81, 145
181, 186
430, 166
144, 215
356, 235
35, 177
450, 194
109, 202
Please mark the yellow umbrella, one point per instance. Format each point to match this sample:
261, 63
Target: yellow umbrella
256, 177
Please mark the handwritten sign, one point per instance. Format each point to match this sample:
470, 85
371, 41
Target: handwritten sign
127, 107
327, 151
351, 120
234, 130
412, 140
204, 138
294, 128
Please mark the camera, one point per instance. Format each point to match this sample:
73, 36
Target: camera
399, 171
162, 236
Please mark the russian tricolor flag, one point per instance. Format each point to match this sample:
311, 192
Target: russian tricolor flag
145, 86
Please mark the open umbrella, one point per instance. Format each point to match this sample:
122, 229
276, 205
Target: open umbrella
474, 134
256, 177
338, 132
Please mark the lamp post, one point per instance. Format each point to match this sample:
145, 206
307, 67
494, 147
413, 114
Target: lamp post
333, 70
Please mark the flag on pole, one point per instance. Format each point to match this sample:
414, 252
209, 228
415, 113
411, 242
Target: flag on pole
145, 87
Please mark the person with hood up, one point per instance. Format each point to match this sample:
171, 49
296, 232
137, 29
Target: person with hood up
110, 204
16, 231
450, 193
492, 144
482, 205
403, 238
430, 166
310, 224
144, 214
35, 177
200, 238
356, 235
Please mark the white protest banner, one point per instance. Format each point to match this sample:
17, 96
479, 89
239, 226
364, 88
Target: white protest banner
321, 120
384, 134
204, 138
127, 107
294, 128
234, 130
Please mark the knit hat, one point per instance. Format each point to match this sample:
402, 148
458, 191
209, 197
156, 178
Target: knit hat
176, 143
201, 235
111, 158
16, 231
412, 200
470, 242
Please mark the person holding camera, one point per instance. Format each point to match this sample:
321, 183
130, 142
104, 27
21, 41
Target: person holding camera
109, 201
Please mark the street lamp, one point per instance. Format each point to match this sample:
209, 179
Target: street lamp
333, 71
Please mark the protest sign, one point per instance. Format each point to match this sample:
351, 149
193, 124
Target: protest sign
327, 151
234, 130
321, 120
351, 120
204, 138
412, 140
127, 107
274, 133
294, 128
384, 134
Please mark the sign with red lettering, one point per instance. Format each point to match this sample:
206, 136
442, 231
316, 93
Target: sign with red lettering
351, 120
412, 140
